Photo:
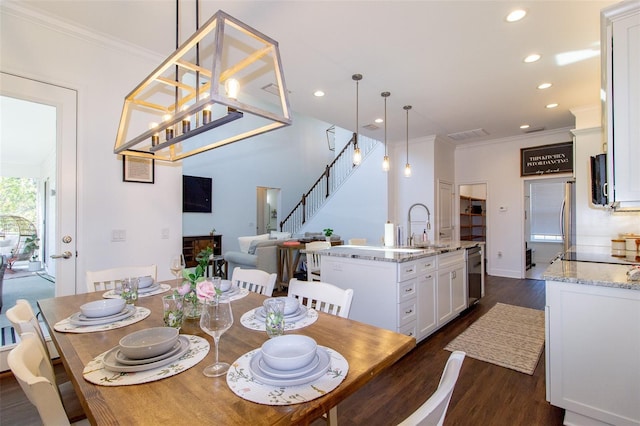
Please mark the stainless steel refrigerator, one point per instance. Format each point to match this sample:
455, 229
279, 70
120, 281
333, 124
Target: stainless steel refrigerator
569, 216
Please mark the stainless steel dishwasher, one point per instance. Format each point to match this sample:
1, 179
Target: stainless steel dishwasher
474, 275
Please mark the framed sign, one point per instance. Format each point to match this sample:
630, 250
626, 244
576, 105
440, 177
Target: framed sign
137, 169
547, 159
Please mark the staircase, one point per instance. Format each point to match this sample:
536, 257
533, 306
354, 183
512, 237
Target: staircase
334, 176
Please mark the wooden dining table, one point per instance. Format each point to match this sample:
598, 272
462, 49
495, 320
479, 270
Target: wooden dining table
191, 398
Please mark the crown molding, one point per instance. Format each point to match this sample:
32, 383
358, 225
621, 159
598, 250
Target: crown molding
22, 10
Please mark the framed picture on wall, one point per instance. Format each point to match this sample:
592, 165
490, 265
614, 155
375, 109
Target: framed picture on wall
137, 169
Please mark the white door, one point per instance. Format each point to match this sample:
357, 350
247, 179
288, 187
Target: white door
445, 221
62, 186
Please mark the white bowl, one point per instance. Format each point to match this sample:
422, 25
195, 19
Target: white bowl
289, 352
144, 282
225, 285
102, 308
291, 304
148, 343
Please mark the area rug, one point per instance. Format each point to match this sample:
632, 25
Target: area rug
508, 336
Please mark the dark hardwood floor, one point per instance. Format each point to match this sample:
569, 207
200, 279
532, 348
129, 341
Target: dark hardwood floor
485, 394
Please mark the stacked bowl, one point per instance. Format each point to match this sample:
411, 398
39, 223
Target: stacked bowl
289, 360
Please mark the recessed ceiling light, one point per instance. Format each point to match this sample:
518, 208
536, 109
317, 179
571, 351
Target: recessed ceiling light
524, 126
551, 106
516, 15
532, 58
379, 120
544, 86
318, 93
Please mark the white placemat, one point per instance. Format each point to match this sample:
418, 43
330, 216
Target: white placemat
238, 293
111, 294
65, 326
242, 383
250, 321
94, 371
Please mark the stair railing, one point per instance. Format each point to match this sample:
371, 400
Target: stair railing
335, 174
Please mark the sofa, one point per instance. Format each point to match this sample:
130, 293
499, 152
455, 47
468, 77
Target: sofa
256, 252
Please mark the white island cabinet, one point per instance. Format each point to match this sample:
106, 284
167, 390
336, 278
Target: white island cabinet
593, 343
412, 297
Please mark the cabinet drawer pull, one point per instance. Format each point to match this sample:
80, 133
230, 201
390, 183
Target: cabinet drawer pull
408, 290
409, 311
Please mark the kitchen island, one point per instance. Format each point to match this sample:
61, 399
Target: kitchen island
411, 290
593, 342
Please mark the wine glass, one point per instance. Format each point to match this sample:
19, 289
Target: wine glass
215, 319
177, 265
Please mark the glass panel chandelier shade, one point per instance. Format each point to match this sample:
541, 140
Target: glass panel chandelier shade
182, 108
385, 160
407, 166
357, 155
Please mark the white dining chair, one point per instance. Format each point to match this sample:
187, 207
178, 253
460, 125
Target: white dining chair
322, 296
254, 280
313, 258
106, 279
327, 298
434, 409
37, 379
25, 322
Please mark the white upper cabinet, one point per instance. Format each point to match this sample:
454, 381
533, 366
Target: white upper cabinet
621, 86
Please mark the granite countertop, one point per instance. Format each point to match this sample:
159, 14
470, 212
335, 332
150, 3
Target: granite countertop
396, 254
598, 274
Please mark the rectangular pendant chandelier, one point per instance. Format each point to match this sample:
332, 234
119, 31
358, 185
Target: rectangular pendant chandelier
184, 108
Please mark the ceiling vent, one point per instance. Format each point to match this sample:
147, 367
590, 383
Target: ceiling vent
468, 134
273, 89
371, 127
534, 129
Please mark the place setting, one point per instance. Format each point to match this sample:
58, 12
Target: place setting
101, 315
146, 356
233, 292
146, 286
287, 310
291, 362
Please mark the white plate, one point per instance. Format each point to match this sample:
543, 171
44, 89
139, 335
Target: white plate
126, 313
290, 374
232, 290
111, 364
152, 287
296, 316
83, 317
122, 359
322, 367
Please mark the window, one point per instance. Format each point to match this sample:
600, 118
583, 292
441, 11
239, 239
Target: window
546, 211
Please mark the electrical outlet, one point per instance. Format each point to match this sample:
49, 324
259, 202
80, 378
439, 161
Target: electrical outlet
164, 233
118, 235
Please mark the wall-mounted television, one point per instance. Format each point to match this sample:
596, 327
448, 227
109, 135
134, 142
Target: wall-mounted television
196, 194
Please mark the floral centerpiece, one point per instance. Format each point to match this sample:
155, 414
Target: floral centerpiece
188, 289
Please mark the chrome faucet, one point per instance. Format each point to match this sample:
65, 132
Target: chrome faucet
409, 233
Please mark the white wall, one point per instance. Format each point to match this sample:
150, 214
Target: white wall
103, 72
291, 159
419, 188
498, 164
359, 208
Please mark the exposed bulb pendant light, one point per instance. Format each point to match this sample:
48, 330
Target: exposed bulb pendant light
407, 167
357, 155
186, 102
385, 160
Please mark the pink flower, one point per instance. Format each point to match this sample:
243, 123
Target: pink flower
184, 289
205, 290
